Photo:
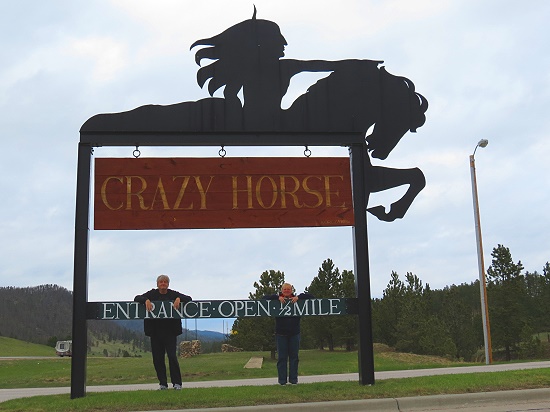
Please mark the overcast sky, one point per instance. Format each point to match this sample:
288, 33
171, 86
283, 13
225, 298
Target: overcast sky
484, 67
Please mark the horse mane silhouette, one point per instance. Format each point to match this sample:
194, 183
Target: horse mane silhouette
248, 57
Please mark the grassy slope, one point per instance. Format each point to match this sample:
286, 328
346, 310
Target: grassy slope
15, 347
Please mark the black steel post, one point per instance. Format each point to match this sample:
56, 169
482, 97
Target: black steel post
361, 259
80, 280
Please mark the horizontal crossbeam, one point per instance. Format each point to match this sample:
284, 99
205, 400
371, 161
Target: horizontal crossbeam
99, 139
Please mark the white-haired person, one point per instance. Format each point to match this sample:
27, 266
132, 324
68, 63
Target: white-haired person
164, 332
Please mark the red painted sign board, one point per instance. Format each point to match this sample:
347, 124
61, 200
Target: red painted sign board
240, 192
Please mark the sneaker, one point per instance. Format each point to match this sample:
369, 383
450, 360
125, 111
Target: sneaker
294, 383
177, 386
162, 387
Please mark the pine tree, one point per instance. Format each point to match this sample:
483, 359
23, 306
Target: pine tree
387, 311
506, 296
258, 333
332, 330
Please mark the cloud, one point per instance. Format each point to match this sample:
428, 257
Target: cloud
107, 56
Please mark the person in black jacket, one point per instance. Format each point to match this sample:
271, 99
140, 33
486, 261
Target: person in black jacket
287, 332
164, 332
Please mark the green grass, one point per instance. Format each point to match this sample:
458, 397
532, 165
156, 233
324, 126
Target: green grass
26, 373
114, 348
14, 347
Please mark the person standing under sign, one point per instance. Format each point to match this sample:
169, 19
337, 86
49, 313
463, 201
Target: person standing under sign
164, 332
287, 333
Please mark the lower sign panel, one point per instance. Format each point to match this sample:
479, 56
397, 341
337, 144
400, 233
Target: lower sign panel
205, 309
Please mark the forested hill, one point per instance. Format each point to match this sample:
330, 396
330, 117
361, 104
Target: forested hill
42, 314
35, 314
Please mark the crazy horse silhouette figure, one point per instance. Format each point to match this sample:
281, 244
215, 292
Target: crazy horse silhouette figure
356, 95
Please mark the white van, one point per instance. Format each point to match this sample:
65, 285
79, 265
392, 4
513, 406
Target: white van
64, 348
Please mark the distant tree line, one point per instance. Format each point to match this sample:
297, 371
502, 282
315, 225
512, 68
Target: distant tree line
43, 314
411, 317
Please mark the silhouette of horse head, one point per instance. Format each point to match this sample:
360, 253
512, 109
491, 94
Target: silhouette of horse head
402, 110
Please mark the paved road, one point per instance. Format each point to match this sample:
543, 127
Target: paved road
524, 400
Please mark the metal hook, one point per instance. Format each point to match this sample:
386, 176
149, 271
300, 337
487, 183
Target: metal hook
136, 152
307, 152
222, 152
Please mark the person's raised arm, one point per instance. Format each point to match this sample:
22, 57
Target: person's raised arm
181, 297
271, 297
306, 295
145, 300
184, 298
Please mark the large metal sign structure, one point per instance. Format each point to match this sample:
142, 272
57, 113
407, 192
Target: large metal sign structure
336, 111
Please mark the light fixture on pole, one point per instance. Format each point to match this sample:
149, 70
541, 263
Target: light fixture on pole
481, 265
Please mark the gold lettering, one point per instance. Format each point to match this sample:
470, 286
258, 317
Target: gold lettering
160, 189
284, 192
129, 192
202, 191
328, 192
312, 192
236, 191
104, 192
181, 193
259, 192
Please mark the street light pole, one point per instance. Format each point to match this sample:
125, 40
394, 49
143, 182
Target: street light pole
481, 265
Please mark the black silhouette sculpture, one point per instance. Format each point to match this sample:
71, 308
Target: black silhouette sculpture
356, 95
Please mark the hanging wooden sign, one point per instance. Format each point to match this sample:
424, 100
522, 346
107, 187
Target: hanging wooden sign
244, 192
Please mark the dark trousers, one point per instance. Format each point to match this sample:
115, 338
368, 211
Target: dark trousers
161, 345
287, 353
